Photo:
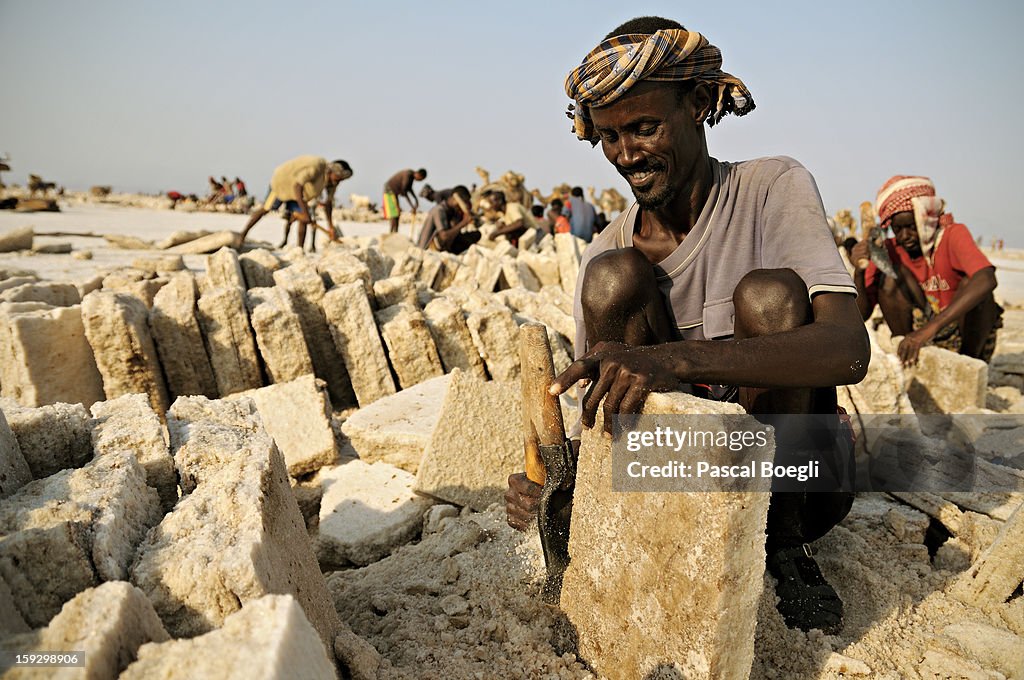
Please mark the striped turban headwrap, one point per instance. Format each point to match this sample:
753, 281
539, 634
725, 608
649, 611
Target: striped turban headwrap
671, 54
907, 193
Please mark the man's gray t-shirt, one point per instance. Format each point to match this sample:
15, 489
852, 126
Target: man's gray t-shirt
760, 214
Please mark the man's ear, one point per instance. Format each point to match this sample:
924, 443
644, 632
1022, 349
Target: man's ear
703, 101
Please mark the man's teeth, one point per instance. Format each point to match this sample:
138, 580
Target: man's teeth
640, 177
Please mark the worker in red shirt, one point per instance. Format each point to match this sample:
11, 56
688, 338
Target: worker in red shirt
942, 292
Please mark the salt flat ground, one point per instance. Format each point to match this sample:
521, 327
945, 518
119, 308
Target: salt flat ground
144, 223
154, 225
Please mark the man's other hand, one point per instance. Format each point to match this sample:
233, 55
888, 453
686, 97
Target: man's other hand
521, 501
860, 254
621, 375
910, 346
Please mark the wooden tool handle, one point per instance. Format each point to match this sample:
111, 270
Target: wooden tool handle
542, 413
535, 470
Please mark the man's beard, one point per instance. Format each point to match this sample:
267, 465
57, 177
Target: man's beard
655, 197
914, 251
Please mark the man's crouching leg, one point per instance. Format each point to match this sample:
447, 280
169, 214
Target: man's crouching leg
621, 301
768, 302
978, 329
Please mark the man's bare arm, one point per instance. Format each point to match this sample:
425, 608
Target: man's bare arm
446, 237
509, 228
865, 305
969, 294
864, 302
407, 191
467, 213
328, 205
304, 216
831, 350
411, 199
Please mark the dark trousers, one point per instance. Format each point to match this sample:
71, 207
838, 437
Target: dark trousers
801, 517
797, 516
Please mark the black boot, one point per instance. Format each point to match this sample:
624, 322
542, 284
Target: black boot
806, 600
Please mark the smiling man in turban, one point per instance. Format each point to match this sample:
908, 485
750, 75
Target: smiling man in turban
943, 294
722, 280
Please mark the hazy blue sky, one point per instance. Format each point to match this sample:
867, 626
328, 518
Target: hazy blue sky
155, 96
